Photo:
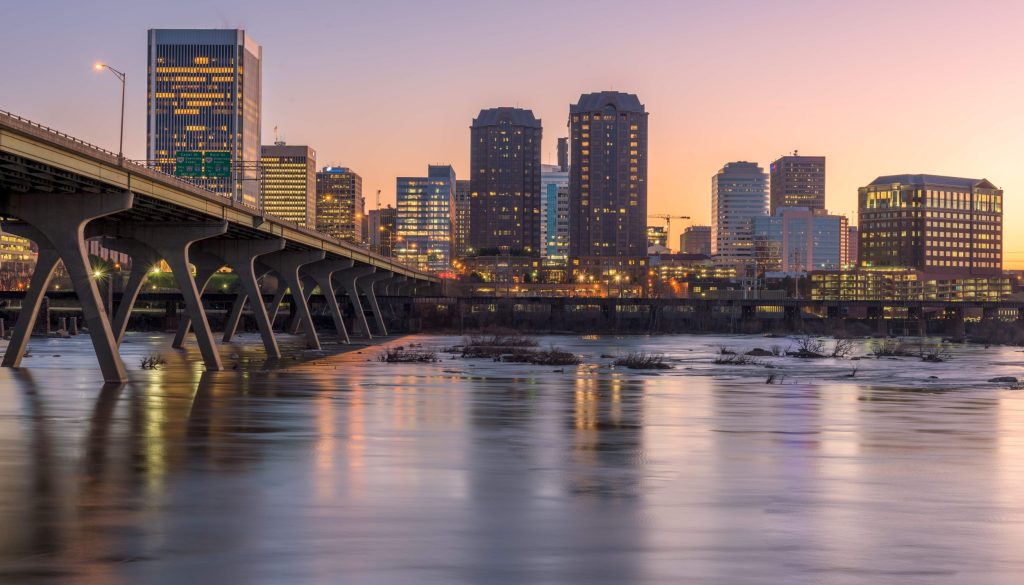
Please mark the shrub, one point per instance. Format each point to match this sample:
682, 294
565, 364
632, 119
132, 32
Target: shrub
644, 361
152, 361
890, 348
736, 360
402, 356
553, 356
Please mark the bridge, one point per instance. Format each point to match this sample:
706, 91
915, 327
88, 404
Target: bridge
59, 192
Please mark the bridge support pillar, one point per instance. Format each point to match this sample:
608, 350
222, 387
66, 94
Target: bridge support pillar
308, 284
173, 241
286, 264
348, 280
59, 220
231, 325
240, 256
143, 258
46, 262
958, 326
367, 285
320, 273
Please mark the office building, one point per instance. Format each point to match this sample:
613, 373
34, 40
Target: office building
563, 155
554, 213
608, 184
657, 237
381, 230
739, 193
853, 240
340, 204
203, 90
426, 210
696, 239
947, 225
798, 239
288, 183
798, 181
907, 284
505, 182
463, 215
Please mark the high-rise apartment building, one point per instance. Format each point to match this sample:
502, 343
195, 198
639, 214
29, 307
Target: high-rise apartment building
505, 182
554, 213
798, 239
204, 96
798, 181
288, 183
381, 233
608, 183
340, 203
739, 193
937, 224
463, 215
426, 210
696, 239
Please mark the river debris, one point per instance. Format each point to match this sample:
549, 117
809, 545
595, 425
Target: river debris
152, 361
404, 356
1004, 380
553, 356
643, 361
736, 360
493, 346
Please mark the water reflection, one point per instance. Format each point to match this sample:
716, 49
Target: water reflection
348, 470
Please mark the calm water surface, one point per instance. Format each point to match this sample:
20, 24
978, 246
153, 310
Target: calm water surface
346, 470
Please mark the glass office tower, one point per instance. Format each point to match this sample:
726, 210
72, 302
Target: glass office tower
426, 212
204, 95
288, 184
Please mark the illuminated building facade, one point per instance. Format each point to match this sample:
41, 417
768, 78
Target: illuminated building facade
657, 236
696, 239
463, 215
798, 181
381, 230
288, 183
804, 240
505, 177
340, 203
554, 212
947, 225
17, 262
901, 284
739, 194
204, 95
608, 183
426, 213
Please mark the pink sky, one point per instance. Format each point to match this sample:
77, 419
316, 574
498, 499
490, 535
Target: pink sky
387, 87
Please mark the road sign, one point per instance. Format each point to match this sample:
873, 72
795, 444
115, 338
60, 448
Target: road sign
188, 163
217, 164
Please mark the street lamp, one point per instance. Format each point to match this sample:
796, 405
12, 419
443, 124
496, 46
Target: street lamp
120, 76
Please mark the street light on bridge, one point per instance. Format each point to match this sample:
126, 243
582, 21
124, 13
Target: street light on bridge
121, 77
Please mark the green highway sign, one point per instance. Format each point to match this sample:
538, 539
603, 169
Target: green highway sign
217, 164
188, 163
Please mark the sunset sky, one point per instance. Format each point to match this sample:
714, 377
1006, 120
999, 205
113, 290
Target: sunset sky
386, 87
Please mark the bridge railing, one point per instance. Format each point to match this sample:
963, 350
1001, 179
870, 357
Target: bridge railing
57, 133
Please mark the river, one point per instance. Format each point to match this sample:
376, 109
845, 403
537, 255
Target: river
341, 469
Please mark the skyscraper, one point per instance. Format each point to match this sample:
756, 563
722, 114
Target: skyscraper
563, 155
798, 181
802, 240
381, 233
204, 96
554, 213
696, 239
463, 215
505, 182
608, 183
340, 203
288, 186
426, 208
738, 194
947, 225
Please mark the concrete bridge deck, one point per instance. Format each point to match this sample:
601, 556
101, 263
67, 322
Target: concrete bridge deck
60, 191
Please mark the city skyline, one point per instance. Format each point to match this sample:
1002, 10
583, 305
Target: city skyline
695, 126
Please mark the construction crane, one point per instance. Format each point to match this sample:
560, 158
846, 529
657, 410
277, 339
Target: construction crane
668, 220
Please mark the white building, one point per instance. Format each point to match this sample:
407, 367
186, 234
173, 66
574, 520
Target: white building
554, 213
739, 193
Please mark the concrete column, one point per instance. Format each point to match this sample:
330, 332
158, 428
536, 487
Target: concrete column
308, 284
348, 280
260, 270
240, 256
46, 262
287, 264
143, 258
206, 266
321, 273
366, 284
173, 241
60, 219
